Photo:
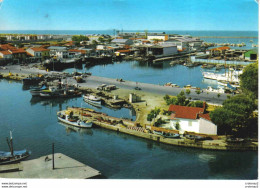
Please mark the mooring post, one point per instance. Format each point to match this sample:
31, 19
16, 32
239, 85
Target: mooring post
52, 156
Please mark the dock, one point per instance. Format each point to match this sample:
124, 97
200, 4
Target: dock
132, 128
41, 168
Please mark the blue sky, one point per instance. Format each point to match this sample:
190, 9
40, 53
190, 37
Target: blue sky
129, 15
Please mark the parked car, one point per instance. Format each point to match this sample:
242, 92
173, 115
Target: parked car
137, 88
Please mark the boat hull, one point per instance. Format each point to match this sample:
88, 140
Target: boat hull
13, 159
76, 124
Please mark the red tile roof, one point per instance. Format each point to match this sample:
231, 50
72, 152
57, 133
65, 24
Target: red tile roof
123, 51
5, 52
220, 48
205, 116
186, 112
75, 50
39, 49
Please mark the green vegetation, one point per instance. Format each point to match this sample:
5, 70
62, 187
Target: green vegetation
153, 114
249, 80
236, 116
187, 91
181, 100
79, 38
159, 122
3, 40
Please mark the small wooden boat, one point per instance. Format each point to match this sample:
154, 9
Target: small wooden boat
13, 156
171, 135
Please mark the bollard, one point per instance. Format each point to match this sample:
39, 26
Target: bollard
52, 156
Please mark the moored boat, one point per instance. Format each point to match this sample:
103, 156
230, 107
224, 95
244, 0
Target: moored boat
37, 91
74, 122
13, 156
92, 99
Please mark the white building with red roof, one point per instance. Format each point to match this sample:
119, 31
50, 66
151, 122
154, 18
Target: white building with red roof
38, 52
6, 54
191, 119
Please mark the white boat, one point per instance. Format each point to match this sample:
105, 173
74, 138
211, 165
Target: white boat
232, 77
77, 123
92, 99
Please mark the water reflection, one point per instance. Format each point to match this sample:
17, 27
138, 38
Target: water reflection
72, 129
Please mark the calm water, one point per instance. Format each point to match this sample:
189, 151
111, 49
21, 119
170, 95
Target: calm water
153, 73
116, 155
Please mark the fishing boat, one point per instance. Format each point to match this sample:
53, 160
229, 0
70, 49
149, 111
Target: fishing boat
13, 156
31, 80
91, 99
158, 132
74, 121
37, 91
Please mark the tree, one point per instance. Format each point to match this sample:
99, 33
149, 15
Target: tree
234, 115
198, 92
218, 95
3, 40
101, 39
94, 42
187, 91
153, 114
181, 99
249, 80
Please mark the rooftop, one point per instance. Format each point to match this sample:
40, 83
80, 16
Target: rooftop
186, 112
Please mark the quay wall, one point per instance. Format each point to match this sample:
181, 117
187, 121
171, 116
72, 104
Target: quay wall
183, 142
193, 59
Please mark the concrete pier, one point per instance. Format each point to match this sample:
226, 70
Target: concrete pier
41, 168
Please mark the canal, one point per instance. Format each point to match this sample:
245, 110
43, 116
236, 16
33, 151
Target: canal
115, 155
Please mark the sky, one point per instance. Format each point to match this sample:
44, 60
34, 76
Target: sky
234, 15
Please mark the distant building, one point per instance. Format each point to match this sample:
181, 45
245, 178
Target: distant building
122, 41
59, 51
162, 37
191, 119
162, 49
251, 55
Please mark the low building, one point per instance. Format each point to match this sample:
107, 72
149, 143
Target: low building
251, 55
76, 53
163, 49
122, 41
39, 52
6, 54
219, 50
191, 119
59, 51
161, 37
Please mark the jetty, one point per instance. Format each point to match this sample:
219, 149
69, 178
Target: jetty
135, 129
42, 168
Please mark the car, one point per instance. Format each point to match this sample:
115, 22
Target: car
137, 88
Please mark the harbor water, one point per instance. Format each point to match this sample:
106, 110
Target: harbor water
159, 73
116, 155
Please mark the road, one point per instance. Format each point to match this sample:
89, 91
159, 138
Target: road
209, 97
95, 81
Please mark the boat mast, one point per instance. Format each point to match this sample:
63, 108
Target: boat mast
11, 143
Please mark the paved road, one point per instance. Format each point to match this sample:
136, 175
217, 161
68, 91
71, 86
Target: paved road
94, 81
211, 97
